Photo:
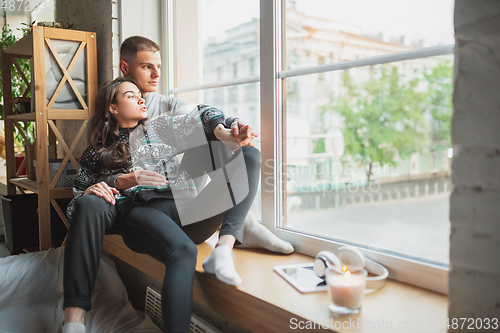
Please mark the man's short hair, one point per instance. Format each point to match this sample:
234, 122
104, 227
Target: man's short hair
134, 44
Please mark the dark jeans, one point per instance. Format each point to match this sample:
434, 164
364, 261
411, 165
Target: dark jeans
156, 229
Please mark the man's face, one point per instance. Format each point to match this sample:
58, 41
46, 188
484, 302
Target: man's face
145, 70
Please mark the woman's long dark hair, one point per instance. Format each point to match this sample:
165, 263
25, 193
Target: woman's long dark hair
112, 154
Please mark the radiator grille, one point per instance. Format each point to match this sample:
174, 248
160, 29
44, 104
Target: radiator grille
153, 306
153, 309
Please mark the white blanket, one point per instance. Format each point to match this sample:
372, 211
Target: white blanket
31, 297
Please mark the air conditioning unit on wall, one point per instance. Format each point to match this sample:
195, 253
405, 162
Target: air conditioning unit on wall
153, 309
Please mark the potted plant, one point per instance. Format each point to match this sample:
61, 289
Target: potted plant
18, 87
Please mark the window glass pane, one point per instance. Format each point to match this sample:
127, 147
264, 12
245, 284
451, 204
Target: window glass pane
368, 156
215, 40
326, 31
241, 101
218, 40
40, 12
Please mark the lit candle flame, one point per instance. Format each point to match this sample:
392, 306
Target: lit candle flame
344, 268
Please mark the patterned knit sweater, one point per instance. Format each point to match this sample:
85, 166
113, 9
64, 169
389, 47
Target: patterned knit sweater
155, 148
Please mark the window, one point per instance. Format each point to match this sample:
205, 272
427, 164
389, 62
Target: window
214, 57
359, 88
355, 98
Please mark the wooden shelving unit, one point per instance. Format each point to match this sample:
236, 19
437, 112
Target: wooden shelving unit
22, 117
37, 45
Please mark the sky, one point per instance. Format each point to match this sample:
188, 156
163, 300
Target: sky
431, 20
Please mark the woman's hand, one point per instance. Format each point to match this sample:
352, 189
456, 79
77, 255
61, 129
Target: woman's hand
103, 190
244, 137
139, 177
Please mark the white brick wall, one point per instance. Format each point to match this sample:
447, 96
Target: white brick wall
479, 170
474, 285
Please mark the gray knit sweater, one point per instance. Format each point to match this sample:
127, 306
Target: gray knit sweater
158, 104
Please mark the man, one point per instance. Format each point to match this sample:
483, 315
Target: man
140, 58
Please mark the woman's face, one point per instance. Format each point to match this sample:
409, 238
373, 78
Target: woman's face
129, 107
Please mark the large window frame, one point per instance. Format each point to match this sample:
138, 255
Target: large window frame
272, 98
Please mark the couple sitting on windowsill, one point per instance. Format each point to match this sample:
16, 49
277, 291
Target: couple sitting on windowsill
131, 182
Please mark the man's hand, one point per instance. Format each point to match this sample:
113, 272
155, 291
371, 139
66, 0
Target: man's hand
239, 125
234, 143
103, 190
139, 177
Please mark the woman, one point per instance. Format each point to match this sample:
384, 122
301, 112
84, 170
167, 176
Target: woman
147, 215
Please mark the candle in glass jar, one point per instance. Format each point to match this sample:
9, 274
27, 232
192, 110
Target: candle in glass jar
346, 289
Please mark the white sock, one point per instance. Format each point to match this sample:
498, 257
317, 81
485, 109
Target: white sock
73, 328
220, 263
255, 235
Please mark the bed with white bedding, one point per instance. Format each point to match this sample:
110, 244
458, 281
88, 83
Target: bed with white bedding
31, 297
